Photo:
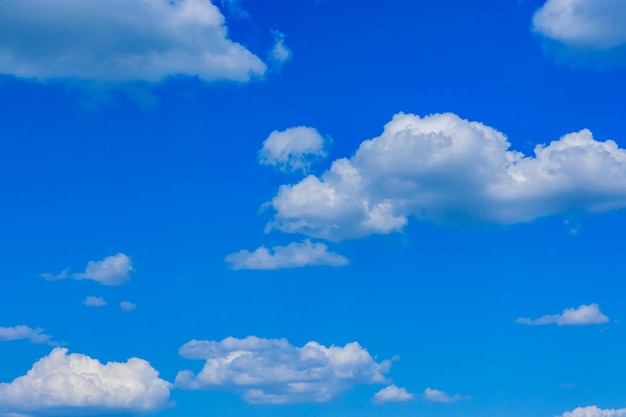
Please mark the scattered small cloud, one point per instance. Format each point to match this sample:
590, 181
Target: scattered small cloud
23, 332
580, 316
280, 53
55, 277
293, 149
593, 411
437, 396
93, 301
392, 394
294, 255
112, 270
275, 372
75, 384
234, 9
449, 170
128, 306
121, 40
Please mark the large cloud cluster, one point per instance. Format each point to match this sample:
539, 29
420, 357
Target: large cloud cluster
120, 40
61, 383
447, 169
274, 371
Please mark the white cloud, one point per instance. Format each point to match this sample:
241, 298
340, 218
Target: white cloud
274, 371
583, 315
60, 384
128, 306
437, 396
593, 411
112, 270
293, 149
294, 255
120, 40
280, 52
392, 394
92, 301
23, 332
583, 23
447, 169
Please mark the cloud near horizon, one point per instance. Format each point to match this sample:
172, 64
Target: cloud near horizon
294, 255
593, 411
121, 40
272, 371
450, 170
580, 316
62, 384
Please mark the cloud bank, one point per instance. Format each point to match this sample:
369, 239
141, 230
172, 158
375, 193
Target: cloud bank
59, 384
23, 332
273, 371
446, 169
120, 40
581, 316
294, 255
293, 149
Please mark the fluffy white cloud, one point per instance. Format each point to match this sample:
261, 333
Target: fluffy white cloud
292, 149
120, 40
23, 332
112, 270
583, 23
437, 396
583, 315
392, 394
60, 383
274, 371
128, 306
92, 301
294, 255
447, 169
593, 411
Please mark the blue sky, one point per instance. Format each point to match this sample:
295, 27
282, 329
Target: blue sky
314, 208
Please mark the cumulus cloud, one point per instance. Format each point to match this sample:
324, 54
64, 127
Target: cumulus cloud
63, 383
593, 411
93, 301
447, 169
583, 315
112, 270
23, 332
392, 394
274, 371
294, 255
293, 149
437, 396
128, 306
120, 40
583, 23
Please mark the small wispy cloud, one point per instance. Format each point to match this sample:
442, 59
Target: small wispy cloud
112, 270
280, 53
23, 332
392, 394
580, 316
438, 396
93, 301
128, 306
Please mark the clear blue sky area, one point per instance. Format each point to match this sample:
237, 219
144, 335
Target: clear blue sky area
332, 208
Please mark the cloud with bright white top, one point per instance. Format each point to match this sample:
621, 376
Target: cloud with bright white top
23, 332
293, 149
437, 396
580, 316
64, 384
597, 24
447, 169
112, 270
392, 394
593, 411
294, 255
273, 371
121, 40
